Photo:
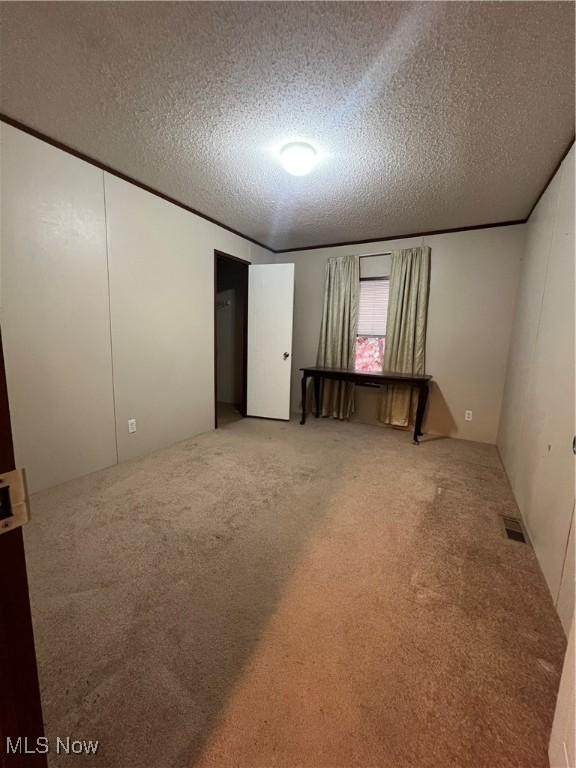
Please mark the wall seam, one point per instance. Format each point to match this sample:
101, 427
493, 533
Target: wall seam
510, 341
564, 558
106, 223
539, 323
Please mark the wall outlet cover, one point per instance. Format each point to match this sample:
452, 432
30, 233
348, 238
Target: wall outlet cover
467, 415
131, 425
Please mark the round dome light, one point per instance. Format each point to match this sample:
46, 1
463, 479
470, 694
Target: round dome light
298, 158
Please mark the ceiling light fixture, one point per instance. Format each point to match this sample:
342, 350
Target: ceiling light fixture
298, 158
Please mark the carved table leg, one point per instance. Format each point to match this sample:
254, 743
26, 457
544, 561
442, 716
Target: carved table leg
420, 409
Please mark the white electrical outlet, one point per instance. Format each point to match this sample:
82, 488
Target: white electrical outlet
467, 416
131, 425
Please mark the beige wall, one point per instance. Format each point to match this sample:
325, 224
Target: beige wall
54, 311
537, 426
162, 316
473, 285
562, 748
76, 296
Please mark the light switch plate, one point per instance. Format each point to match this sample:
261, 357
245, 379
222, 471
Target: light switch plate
131, 425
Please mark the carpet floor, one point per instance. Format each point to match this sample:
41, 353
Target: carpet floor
277, 596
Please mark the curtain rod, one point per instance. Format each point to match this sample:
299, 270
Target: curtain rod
370, 255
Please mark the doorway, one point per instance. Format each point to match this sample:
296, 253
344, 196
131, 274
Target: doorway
230, 337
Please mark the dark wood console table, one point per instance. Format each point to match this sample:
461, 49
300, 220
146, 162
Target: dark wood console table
366, 379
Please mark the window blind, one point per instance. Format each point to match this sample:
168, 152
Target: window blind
373, 310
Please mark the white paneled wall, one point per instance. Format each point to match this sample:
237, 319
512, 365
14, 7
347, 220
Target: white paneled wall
162, 320
562, 749
162, 316
107, 313
537, 425
54, 311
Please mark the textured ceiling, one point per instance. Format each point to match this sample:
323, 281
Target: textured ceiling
428, 115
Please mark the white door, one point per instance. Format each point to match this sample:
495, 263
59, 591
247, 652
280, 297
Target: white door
270, 310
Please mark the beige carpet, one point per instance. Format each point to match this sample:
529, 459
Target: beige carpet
268, 595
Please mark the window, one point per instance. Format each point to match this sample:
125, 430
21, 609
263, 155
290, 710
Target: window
372, 316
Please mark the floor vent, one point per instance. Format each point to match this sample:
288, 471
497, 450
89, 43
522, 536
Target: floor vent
513, 529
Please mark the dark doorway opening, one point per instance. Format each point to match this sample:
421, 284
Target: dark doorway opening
230, 337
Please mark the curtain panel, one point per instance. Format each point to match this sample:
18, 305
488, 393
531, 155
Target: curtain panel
336, 347
406, 331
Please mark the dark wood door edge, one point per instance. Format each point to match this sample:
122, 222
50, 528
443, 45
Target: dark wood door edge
20, 705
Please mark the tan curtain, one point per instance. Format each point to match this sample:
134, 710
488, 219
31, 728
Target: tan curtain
405, 331
336, 346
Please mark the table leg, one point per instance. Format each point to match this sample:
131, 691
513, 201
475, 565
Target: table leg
317, 394
420, 409
304, 382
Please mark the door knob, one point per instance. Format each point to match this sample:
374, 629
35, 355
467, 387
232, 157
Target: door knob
286, 355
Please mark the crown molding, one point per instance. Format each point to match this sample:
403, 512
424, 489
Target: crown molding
102, 166
405, 236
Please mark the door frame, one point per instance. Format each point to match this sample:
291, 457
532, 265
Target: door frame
222, 256
20, 704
